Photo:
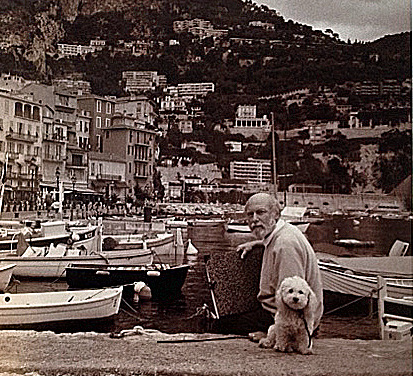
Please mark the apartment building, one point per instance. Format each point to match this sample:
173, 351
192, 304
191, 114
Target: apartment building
107, 174
101, 110
191, 90
139, 107
128, 139
70, 50
254, 171
198, 27
21, 139
139, 81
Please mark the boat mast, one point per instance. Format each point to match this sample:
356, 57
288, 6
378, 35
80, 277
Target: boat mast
274, 157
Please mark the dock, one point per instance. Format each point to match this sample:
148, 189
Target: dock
46, 353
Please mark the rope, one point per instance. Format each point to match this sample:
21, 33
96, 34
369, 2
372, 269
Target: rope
353, 301
201, 339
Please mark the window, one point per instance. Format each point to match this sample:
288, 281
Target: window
18, 109
107, 123
36, 113
98, 122
98, 106
92, 169
1, 124
108, 108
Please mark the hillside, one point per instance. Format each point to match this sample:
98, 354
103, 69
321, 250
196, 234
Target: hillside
286, 57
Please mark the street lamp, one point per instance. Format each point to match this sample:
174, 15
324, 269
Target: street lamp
57, 174
73, 179
32, 171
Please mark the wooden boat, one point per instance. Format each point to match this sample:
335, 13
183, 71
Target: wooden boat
161, 244
27, 309
51, 232
162, 279
347, 280
50, 262
6, 271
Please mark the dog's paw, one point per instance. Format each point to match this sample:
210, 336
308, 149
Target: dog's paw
305, 351
266, 343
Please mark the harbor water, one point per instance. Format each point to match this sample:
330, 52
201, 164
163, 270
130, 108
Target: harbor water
188, 312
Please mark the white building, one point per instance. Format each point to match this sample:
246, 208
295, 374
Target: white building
191, 90
252, 170
138, 81
246, 116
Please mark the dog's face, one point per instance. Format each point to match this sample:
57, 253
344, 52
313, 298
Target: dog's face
295, 292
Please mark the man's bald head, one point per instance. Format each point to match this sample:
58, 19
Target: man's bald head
262, 211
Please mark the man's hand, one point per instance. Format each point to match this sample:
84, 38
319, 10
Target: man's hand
247, 247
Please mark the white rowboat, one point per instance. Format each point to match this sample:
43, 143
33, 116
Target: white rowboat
58, 306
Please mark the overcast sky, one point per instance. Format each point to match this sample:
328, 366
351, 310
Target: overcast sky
364, 20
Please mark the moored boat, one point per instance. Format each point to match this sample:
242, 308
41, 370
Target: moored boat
161, 244
24, 310
51, 232
163, 279
348, 280
353, 243
6, 272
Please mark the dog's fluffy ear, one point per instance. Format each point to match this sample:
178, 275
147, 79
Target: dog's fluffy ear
279, 301
310, 309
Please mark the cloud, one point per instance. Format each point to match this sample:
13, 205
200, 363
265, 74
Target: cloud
355, 19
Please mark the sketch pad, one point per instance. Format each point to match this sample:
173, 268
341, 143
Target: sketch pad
234, 283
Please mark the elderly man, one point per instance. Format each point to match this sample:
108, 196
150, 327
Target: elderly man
287, 253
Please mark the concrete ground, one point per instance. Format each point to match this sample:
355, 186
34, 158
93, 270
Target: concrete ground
46, 353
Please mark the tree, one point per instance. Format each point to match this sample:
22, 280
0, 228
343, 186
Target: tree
395, 161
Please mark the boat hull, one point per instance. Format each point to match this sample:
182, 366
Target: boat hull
357, 293
22, 310
6, 271
163, 244
83, 236
162, 280
54, 267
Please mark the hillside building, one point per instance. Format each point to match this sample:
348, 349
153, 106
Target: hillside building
139, 81
252, 171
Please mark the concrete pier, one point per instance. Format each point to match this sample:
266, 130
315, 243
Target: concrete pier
46, 353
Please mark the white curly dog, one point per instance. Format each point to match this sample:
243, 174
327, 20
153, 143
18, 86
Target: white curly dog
294, 320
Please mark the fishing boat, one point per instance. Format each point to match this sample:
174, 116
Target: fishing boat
162, 279
350, 279
6, 271
161, 243
51, 261
24, 310
51, 232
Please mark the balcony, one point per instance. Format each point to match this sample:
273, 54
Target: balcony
54, 138
76, 165
11, 135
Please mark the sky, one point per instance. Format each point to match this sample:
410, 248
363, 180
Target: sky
364, 20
